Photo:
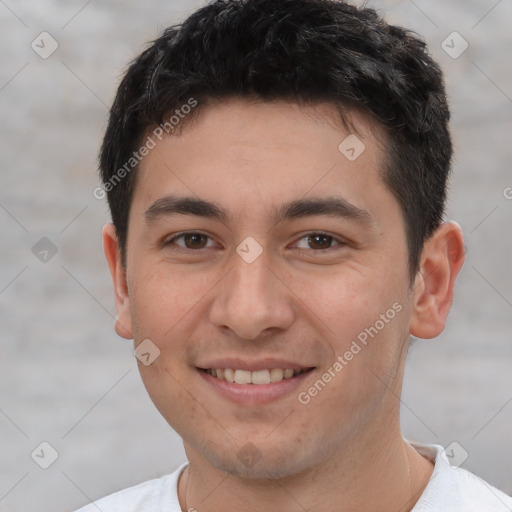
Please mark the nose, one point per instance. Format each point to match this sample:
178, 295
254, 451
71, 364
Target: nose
252, 300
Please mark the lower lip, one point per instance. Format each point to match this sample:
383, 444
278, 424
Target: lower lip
254, 393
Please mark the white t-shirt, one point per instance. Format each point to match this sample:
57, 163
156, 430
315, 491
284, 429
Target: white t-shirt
449, 489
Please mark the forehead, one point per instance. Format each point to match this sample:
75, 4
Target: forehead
240, 153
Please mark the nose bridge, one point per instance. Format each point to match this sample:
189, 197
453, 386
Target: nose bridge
250, 299
250, 283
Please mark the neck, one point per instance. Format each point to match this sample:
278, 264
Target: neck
375, 472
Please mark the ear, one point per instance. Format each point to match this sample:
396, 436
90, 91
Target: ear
441, 260
123, 324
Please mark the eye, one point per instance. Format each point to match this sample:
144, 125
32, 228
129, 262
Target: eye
318, 242
190, 240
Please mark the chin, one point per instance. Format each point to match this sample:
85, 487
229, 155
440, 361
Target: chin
249, 462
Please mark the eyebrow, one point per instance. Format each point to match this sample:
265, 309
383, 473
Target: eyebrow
300, 208
173, 205
329, 206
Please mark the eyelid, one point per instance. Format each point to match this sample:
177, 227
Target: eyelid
339, 241
172, 239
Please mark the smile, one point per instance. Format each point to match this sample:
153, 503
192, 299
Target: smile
258, 377
252, 387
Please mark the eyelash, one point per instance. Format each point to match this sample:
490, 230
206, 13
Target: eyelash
339, 242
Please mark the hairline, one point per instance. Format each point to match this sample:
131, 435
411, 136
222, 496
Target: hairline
344, 114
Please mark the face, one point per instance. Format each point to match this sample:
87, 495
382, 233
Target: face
255, 245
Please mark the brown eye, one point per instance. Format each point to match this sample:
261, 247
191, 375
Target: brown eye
195, 240
190, 240
320, 241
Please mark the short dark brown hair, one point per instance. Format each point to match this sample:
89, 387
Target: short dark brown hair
296, 50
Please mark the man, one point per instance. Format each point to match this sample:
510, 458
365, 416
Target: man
276, 172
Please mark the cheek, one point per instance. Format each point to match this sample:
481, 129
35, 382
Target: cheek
361, 317
346, 301
162, 299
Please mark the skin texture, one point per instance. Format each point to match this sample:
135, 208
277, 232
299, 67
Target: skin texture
343, 450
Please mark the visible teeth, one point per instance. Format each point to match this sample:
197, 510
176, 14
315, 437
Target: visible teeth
288, 373
242, 377
260, 377
276, 374
257, 377
229, 375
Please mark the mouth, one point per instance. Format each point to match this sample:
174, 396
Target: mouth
257, 377
256, 387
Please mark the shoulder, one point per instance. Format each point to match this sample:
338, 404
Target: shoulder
159, 494
453, 489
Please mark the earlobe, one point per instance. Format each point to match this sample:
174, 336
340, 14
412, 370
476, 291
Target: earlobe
441, 260
123, 323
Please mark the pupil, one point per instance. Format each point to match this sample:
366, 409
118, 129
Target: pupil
194, 240
321, 240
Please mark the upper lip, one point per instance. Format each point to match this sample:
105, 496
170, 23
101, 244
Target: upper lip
254, 365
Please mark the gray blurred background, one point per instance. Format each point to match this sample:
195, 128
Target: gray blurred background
69, 381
